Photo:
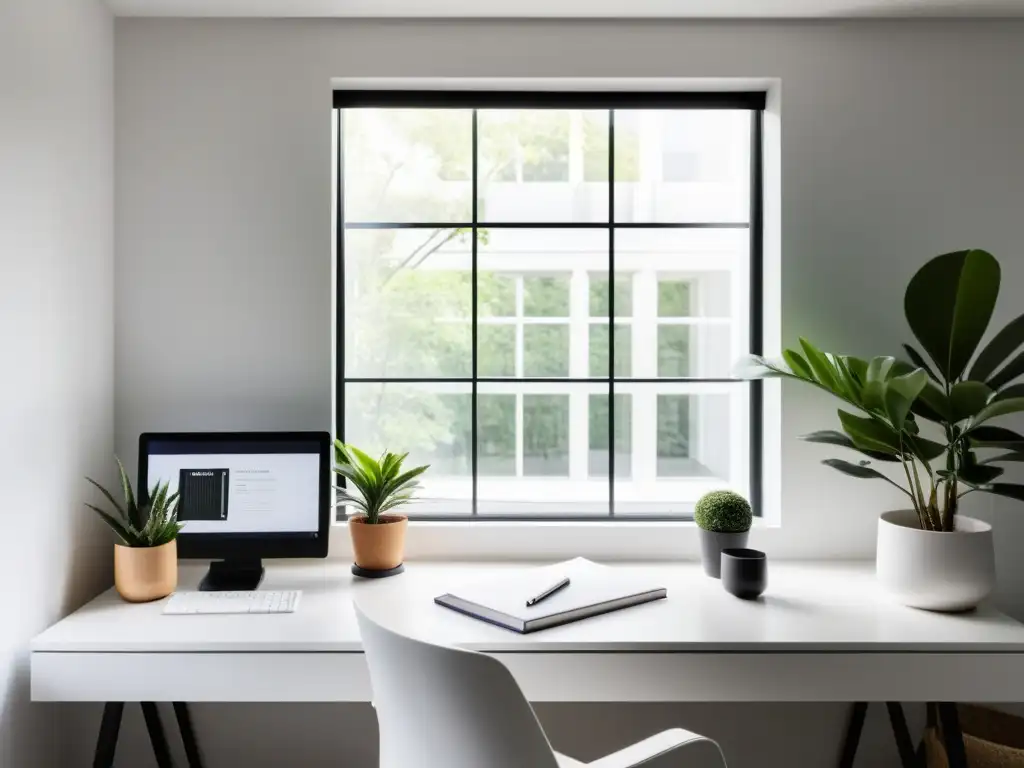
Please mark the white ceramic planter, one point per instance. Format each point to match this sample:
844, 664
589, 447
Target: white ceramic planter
934, 570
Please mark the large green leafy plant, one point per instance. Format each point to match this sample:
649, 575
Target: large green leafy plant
933, 418
150, 524
376, 485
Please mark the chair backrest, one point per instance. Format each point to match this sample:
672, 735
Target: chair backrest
439, 706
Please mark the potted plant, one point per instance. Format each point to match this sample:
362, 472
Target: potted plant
146, 557
724, 520
932, 423
375, 487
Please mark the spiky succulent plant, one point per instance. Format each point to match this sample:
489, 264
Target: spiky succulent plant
149, 524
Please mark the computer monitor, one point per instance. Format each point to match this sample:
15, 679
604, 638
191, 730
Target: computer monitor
244, 496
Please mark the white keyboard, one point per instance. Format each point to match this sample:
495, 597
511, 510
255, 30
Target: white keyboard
258, 601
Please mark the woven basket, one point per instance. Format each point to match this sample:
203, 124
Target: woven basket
992, 739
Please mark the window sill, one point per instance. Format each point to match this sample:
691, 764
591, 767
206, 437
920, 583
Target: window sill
532, 540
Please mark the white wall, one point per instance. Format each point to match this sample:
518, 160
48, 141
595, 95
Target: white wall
56, 335
900, 140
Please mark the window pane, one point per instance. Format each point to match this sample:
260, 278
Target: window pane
688, 165
408, 301
545, 435
599, 349
408, 165
673, 298
496, 350
496, 294
431, 422
532, 165
597, 460
691, 309
674, 350
496, 442
688, 439
546, 350
546, 296
599, 295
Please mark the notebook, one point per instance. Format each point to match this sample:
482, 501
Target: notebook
594, 589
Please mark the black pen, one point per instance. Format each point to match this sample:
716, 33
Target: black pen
548, 592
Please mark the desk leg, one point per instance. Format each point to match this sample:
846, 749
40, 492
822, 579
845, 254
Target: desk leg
110, 726
902, 734
188, 736
156, 735
952, 736
852, 740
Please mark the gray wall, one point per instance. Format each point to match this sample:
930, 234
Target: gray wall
900, 140
56, 335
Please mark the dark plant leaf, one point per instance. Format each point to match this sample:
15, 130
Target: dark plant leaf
1013, 456
933, 404
1014, 390
948, 305
918, 360
979, 474
924, 449
1003, 344
1011, 371
834, 437
967, 399
870, 434
990, 434
860, 471
1006, 489
121, 531
996, 409
819, 363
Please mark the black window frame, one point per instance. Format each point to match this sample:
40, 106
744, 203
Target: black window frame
476, 100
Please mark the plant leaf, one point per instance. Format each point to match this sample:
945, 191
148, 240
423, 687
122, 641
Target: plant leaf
1013, 456
797, 364
834, 437
979, 474
1009, 490
924, 449
110, 498
861, 471
1009, 372
995, 409
367, 464
967, 399
899, 394
1002, 345
121, 531
870, 434
820, 365
131, 505
1014, 390
918, 360
948, 305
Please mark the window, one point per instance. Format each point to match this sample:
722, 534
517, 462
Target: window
543, 297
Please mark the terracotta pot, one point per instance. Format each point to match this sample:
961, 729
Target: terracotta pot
142, 574
381, 546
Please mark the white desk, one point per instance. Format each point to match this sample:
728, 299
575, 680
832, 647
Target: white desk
822, 633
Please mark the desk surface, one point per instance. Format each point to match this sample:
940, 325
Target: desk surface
809, 607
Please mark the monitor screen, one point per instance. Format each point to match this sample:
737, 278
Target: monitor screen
240, 485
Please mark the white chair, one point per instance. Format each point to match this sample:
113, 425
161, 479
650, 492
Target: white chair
440, 707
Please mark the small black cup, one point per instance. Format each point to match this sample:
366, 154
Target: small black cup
744, 572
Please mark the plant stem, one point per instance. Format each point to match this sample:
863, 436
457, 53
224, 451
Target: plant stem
920, 492
913, 494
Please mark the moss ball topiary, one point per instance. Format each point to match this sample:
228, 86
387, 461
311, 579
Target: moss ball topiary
723, 512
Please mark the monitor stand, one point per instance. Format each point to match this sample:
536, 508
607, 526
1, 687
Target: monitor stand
232, 576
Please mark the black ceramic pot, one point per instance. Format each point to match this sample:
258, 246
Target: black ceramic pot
744, 572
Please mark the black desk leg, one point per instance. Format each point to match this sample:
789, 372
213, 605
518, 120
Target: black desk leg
952, 736
853, 728
156, 735
902, 734
188, 736
110, 726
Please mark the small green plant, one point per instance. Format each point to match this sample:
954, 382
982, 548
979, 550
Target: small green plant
723, 512
376, 486
140, 525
